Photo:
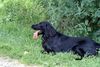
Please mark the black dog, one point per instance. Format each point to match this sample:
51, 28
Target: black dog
53, 41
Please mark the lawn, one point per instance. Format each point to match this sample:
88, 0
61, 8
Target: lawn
16, 42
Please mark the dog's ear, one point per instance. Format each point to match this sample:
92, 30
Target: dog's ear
50, 31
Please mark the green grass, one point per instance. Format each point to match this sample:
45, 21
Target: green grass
16, 42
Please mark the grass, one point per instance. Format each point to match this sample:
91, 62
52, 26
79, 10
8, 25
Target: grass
16, 42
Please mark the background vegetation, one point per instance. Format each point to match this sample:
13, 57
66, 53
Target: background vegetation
71, 17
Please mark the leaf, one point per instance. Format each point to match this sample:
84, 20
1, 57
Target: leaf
97, 13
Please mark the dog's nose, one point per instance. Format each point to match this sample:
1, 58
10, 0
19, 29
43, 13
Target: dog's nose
34, 27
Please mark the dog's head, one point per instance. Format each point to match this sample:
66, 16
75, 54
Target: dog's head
45, 28
41, 26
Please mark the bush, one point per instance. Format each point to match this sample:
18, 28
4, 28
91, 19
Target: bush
75, 17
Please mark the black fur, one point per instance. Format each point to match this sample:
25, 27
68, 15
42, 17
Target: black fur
53, 41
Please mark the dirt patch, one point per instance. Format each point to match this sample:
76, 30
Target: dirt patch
7, 62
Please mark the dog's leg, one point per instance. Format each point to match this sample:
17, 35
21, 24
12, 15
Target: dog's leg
80, 52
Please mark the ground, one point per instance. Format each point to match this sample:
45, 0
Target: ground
8, 62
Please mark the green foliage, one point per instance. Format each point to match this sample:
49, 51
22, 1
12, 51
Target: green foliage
78, 17
22, 11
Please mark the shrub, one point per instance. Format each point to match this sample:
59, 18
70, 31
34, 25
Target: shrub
75, 17
71, 17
